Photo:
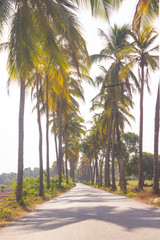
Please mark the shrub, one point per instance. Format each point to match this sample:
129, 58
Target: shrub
2, 187
64, 186
30, 187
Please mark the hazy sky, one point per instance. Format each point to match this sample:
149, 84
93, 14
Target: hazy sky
9, 105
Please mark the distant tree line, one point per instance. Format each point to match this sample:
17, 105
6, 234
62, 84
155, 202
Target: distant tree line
8, 178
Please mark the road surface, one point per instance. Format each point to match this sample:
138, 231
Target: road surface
86, 213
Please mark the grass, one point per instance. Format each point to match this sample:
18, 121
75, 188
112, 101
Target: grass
146, 195
11, 210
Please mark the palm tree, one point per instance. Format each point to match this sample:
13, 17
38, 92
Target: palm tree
32, 19
118, 50
146, 11
38, 89
156, 141
142, 47
20, 64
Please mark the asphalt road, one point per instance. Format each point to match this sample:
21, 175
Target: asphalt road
85, 213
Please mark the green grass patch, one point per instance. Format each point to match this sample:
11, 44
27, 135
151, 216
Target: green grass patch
11, 210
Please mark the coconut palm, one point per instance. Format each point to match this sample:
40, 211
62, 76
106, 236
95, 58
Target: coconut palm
20, 64
156, 141
143, 47
38, 90
146, 11
30, 20
118, 50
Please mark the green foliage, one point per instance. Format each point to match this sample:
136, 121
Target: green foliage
10, 207
6, 178
2, 187
64, 186
89, 183
7, 208
30, 187
133, 165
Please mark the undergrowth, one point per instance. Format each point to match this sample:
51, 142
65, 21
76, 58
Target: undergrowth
146, 195
10, 209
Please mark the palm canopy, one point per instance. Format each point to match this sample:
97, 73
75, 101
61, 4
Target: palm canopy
100, 8
48, 19
146, 11
118, 50
115, 41
143, 51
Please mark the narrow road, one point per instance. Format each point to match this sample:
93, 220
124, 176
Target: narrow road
86, 213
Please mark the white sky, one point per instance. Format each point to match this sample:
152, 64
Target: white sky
9, 105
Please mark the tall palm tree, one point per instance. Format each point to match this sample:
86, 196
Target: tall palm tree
143, 48
20, 63
32, 19
118, 50
156, 141
38, 90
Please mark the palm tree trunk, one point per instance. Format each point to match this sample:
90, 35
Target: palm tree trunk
96, 168
107, 169
60, 145
47, 134
66, 158
21, 141
90, 166
71, 159
41, 192
73, 167
94, 172
113, 171
140, 183
121, 162
55, 139
100, 174
156, 141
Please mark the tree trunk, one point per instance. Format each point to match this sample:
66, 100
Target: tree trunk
41, 192
66, 158
21, 142
62, 164
107, 169
90, 169
71, 159
121, 162
113, 171
94, 172
96, 168
47, 134
60, 145
73, 167
140, 183
100, 174
156, 142
55, 139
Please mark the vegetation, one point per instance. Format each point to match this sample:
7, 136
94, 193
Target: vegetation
10, 209
48, 56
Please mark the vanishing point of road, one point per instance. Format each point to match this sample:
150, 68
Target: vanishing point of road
86, 213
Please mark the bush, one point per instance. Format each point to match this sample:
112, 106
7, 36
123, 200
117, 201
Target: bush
2, 187
89, 183
64, 186
30, 187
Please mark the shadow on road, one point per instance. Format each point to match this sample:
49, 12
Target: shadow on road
76, 208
